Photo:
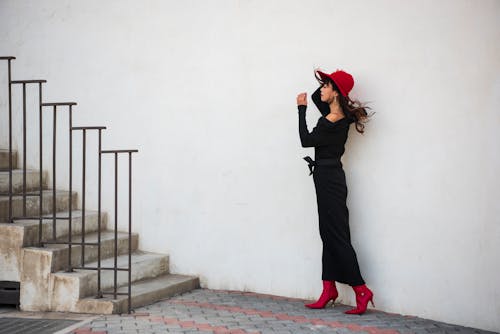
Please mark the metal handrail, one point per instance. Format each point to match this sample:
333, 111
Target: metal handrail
54, 106
40, 173
84, 130
69, 217
129, 269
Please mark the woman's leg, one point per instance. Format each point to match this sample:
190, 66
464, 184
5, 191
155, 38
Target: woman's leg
339, 261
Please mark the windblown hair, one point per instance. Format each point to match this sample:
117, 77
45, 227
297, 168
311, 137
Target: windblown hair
353, 109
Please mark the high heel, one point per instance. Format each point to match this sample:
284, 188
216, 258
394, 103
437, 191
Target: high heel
363, 296
329, 293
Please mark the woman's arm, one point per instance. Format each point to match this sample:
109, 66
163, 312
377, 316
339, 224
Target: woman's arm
309, 139
323, 107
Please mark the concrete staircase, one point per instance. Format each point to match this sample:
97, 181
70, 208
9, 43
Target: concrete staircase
41, 271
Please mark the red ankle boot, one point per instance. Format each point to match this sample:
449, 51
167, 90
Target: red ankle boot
329, 293
363, 296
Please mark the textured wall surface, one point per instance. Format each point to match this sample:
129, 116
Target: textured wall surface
206, 91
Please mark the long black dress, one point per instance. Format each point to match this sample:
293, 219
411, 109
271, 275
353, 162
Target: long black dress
328, 139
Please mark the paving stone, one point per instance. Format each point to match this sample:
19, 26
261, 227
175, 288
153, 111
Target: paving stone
209, 311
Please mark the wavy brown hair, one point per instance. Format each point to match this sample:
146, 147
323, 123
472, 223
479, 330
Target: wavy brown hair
353, 109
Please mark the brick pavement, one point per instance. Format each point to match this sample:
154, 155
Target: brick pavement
229, 312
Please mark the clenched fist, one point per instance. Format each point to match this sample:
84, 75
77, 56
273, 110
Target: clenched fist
302, 99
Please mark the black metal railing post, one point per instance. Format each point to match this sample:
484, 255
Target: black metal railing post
9, 121
54, 170
10, 143
116, 226
70, 211
24, 149
129, 231
115, 254
99, 289
40, 171
10, 139
84, 135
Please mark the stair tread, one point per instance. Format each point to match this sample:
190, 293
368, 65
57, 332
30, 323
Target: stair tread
122, 262
20, 171
147, 290
89, 237
153, 284
45, 192
76, 214
143, 292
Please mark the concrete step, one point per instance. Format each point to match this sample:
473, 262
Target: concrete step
4, 159
32, 181
60, 252
30, 227
24, 233
69, 288
32, 204
143, 293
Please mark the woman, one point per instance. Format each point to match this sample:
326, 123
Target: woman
328, 139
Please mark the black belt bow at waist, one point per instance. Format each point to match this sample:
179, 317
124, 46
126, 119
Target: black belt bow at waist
321, 162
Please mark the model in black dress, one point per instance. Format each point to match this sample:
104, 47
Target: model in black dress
328, 138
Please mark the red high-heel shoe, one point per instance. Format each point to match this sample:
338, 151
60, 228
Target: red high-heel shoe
329, 293
363, 296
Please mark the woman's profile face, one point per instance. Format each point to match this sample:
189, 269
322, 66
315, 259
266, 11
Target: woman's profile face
327, 92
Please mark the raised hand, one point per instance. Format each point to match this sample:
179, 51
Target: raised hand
302, 99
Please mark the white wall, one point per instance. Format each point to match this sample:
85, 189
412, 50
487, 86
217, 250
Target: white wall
206, 91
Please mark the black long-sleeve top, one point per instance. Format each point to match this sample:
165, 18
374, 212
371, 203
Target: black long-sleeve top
328, 138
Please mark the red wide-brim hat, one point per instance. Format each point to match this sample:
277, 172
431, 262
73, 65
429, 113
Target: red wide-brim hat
342, 79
